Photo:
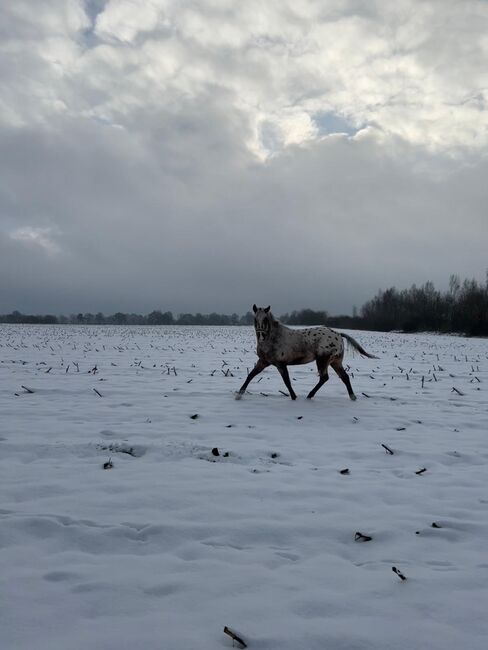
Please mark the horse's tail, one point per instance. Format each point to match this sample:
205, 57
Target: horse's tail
357, 346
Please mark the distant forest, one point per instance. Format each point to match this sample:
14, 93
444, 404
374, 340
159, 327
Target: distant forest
462, 309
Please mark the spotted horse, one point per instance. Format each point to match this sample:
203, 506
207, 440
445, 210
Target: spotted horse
281, 346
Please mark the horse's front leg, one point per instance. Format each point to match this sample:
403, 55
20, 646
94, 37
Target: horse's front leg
259, 367
283, 370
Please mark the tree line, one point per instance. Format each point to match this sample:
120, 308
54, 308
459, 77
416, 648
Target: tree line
462, 309
156, 317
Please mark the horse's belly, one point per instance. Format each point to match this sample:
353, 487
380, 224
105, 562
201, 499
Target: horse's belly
299, 359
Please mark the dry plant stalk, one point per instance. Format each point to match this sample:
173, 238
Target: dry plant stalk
399, 573
234, 637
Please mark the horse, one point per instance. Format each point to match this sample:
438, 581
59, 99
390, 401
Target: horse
281, 346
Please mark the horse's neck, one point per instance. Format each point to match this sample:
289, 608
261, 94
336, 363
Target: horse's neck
280, 331
276, 329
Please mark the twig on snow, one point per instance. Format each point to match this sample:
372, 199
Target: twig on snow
360, 537
387, 449
234, 637
399, 573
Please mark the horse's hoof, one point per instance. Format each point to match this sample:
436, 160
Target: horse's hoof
353, 397
238, 396
293, 397
309, 396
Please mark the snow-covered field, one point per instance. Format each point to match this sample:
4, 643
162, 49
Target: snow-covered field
172, 543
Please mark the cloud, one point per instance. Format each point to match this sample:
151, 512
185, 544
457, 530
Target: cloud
214, 154
36, 237
412, 69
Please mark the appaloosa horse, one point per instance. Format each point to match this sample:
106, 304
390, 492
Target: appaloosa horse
280, 346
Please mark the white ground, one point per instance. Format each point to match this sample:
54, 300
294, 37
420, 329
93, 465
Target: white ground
173, 543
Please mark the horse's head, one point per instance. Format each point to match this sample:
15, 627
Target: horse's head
263, 322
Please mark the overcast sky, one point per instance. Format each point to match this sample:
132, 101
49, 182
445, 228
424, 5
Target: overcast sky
205, 155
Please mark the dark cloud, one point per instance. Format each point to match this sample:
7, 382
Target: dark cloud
162, 174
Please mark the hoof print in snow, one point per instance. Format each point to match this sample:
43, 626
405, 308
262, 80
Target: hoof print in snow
121, 448
194, 416
434, 525
215, 451
108, 464
234, 637
360, 537
344, 471
399, 573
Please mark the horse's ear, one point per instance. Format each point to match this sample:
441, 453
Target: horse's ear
254, 308
267, 309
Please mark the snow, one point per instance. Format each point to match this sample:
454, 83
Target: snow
173, 543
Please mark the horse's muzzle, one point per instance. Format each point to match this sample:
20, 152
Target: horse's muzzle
261, 335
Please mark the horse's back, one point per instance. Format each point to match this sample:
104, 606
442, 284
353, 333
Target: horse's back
305, 345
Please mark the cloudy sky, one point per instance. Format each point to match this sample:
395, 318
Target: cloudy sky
200, 155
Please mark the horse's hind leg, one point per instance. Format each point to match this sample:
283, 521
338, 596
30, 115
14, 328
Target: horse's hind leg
337, 365
259, 367
283, 370
322, 364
